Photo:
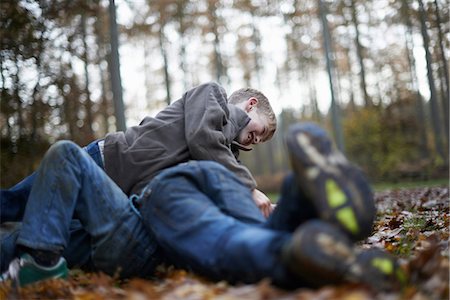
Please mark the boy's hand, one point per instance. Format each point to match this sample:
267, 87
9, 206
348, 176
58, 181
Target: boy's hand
262, 202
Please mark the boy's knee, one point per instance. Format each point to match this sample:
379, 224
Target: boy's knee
63, 148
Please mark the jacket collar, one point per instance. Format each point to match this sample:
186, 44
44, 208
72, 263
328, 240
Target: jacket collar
238, 119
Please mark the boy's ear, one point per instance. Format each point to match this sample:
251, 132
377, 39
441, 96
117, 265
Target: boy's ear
251, 102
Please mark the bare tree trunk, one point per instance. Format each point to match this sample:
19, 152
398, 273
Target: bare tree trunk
116, 81
445, 81
102, 55
88, 105
16, 97
330, 66
218, 62
359, 52
270, 156
4, 100
433, 102
182, 30
414, 81
162, 47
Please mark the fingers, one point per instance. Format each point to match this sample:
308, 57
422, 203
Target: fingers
266, 208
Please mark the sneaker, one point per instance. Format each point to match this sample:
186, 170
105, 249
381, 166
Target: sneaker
338, 189
24, 270
320, 254
379, 269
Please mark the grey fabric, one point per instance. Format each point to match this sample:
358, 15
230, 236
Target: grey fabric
199, 126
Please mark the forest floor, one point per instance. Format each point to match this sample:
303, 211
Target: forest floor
412, 223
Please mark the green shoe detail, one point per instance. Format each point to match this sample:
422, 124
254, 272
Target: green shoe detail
383, 264
25, 270
401, 276
347, 217
335, 195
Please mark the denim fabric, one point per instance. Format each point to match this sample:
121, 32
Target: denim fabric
14, 200
77, 254
205, 220
69, 184
293, 208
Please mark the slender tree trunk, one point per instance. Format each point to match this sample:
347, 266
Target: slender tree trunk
433, 102
102, 56
116, 81
218, 62
162, 47
182, 32
4, 100
445, 81
270, 156
37, 116
257, 53
359, 52
414, 81
329, 61
16, 97
88, 105
147, 74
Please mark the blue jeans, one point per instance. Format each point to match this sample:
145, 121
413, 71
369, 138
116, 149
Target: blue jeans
14, 200
205, 220
70, 185
77, 253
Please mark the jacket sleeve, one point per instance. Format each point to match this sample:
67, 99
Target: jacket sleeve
206, 114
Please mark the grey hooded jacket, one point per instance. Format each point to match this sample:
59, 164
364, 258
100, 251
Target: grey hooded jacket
199, 126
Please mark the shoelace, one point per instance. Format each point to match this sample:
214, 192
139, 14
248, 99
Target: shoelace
13, 270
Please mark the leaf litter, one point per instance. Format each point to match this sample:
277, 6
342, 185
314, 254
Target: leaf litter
412, 224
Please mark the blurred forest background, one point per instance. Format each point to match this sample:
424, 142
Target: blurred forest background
59, 78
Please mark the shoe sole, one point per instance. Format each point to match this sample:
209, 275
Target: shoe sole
381, 270
338, 189
319, 253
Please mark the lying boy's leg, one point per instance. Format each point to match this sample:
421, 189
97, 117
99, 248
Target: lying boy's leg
69, 184
77, 254
292, 209
14, 200
339, 190
189, 211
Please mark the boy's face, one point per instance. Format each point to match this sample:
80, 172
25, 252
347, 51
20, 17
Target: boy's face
256, 130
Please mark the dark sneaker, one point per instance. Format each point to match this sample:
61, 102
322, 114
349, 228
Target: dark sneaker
320, 253
338, 189
25, 270
380, 270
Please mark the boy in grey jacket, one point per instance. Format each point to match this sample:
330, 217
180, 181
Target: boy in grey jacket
202, 125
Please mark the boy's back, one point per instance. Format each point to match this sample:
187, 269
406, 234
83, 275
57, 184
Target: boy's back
200, 126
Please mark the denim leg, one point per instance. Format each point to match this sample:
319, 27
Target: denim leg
293, 208
190, 212
8, 250
77, 254
14, 200
69, 184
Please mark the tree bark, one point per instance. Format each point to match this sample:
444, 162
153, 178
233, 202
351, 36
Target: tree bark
116, 81
414, 81
338, 135
433, 102
445, 82
359, 52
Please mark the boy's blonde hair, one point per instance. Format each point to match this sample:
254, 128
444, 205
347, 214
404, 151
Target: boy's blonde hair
263, 106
